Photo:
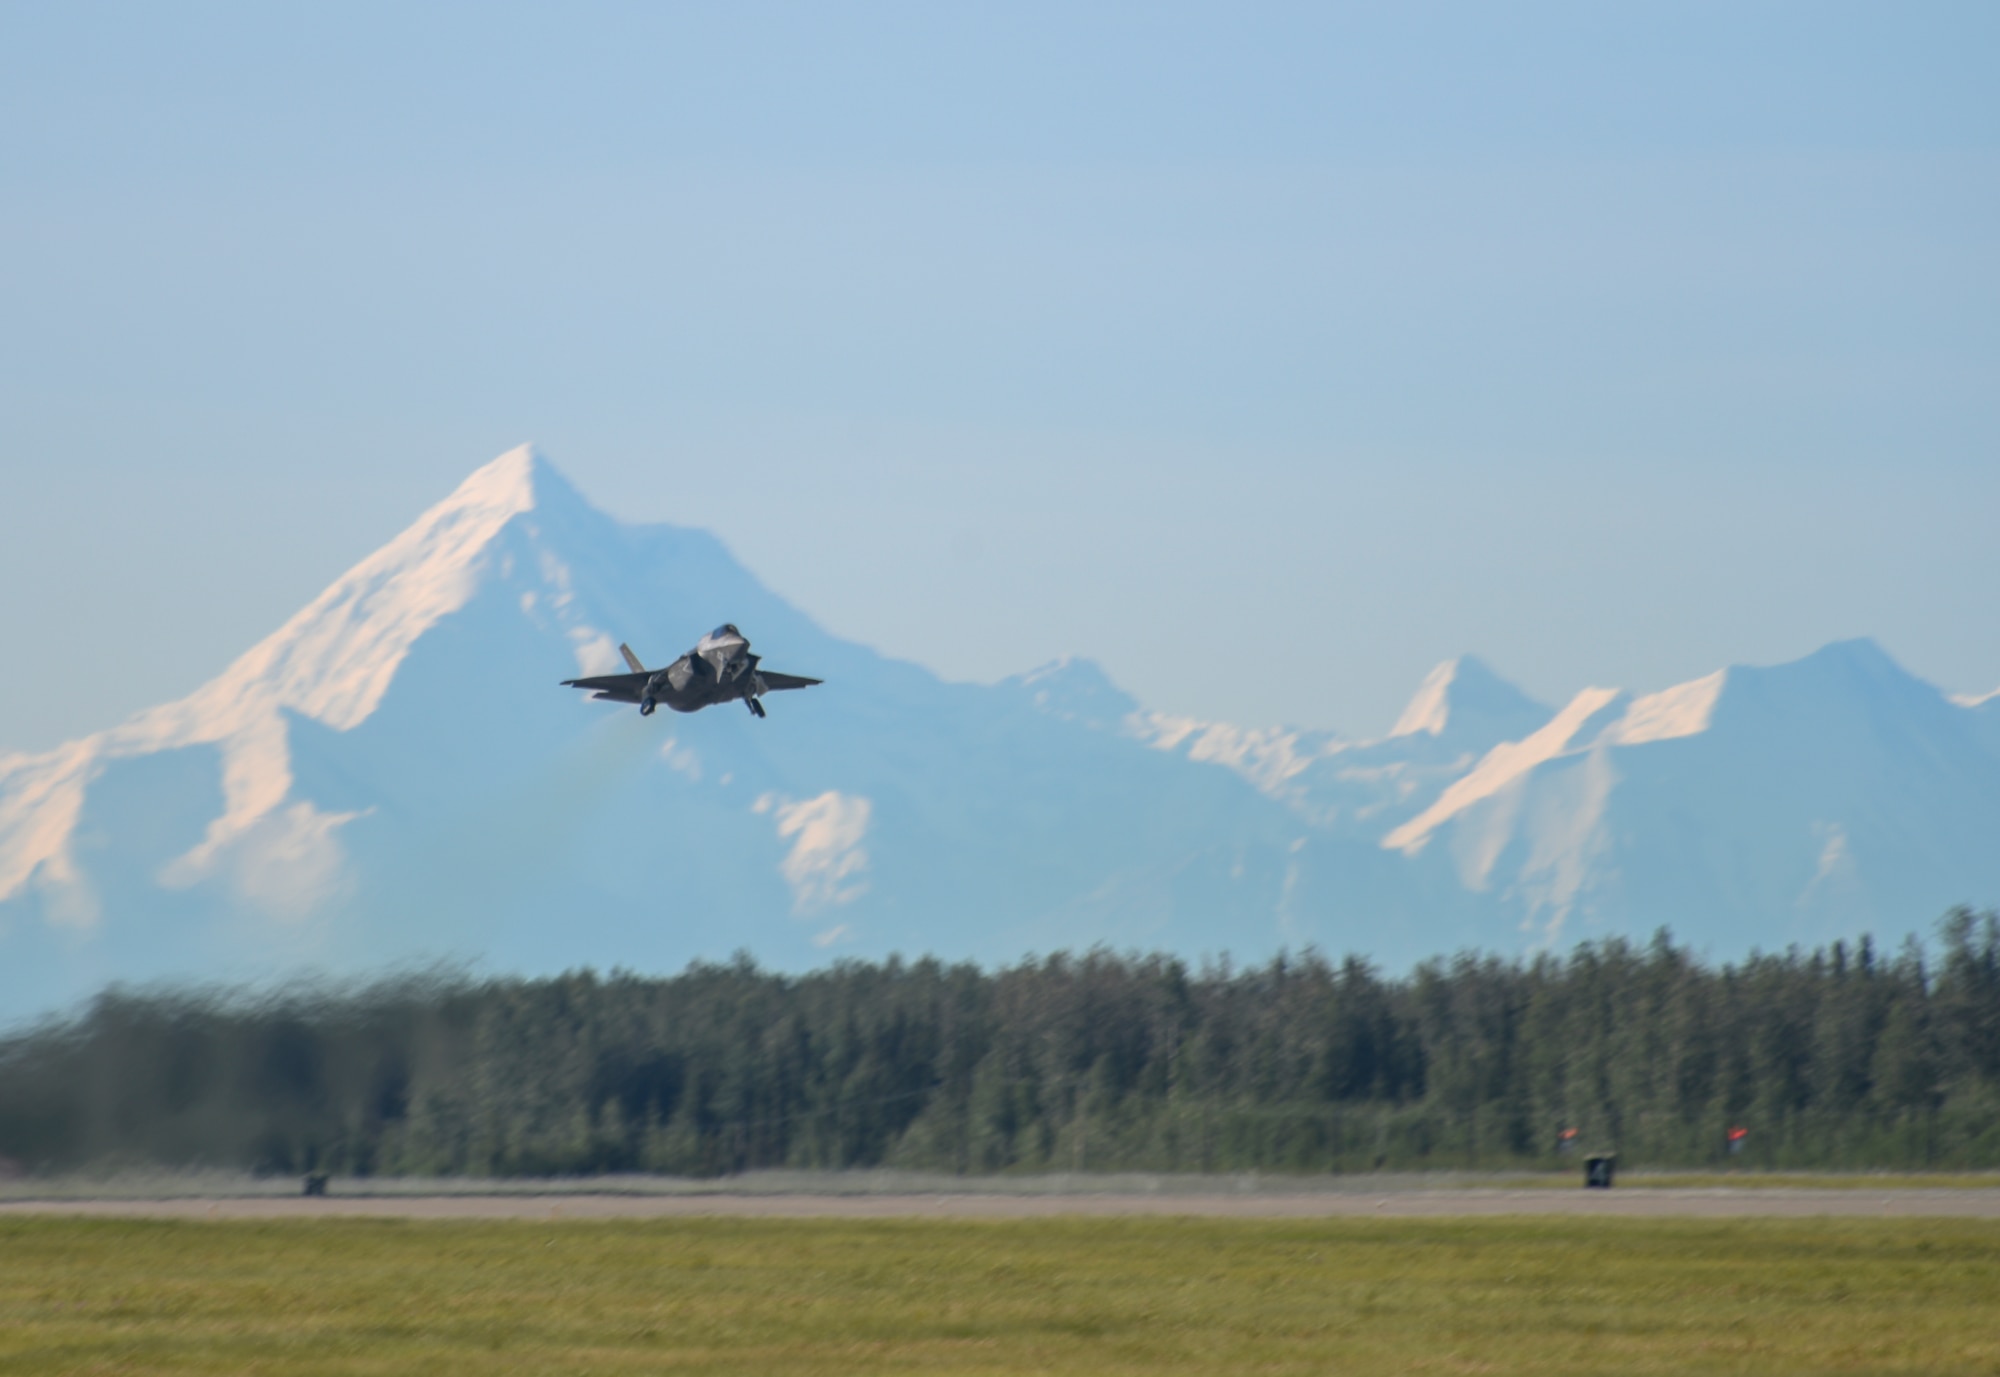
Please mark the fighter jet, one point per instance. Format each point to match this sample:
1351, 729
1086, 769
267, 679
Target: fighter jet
720, 669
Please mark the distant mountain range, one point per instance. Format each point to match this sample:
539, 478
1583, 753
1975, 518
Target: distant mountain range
394, 776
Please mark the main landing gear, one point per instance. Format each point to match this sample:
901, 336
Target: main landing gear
646, 706
756, 708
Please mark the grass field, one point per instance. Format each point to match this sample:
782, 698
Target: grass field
1064, 1295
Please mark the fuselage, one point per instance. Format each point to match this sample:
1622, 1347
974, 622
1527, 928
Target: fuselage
720, 669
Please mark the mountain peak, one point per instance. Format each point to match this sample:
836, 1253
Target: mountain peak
1460, 689
1430, 707
1076, 690
508, 480
1862, 656
335, 657
520, 480
1506, 763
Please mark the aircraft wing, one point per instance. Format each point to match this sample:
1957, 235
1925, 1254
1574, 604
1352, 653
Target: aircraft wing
785, 681
619, 688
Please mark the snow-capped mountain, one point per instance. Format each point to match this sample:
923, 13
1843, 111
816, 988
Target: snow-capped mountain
394, 775
1460, 711
1796, 803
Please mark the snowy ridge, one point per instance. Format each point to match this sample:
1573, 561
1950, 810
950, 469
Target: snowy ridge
331, 662
1430, 709
1684, 710
1270, 758
1501, 766
1459, 711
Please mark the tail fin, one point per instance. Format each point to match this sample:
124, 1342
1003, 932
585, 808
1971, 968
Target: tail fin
631, 659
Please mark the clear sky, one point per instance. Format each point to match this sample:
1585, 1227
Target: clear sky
1266, 354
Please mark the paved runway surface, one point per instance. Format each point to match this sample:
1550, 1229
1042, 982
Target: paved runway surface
1686, 1203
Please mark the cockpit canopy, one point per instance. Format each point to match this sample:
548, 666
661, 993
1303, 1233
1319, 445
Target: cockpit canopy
726, 629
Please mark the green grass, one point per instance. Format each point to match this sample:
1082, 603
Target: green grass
1066, 1295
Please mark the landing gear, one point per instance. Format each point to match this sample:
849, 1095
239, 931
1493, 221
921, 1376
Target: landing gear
756, 708
646, 706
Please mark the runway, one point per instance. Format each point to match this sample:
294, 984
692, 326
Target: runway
1620, 1202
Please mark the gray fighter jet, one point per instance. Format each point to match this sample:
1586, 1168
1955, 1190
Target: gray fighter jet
720, 669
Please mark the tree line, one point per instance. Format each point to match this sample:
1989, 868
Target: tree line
1840, 1057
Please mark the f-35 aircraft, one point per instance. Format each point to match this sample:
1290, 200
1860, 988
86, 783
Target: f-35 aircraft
720, 669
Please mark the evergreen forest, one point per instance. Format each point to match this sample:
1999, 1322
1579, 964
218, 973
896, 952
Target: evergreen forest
1839, 1058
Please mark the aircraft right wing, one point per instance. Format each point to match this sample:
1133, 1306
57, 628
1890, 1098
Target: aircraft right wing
619, 688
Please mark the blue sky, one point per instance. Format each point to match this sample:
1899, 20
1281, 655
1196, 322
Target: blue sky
1266, 355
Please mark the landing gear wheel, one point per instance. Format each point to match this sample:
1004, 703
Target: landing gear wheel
756, 708
646, 708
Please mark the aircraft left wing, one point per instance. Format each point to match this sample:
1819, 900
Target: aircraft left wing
784, 681
619, 688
